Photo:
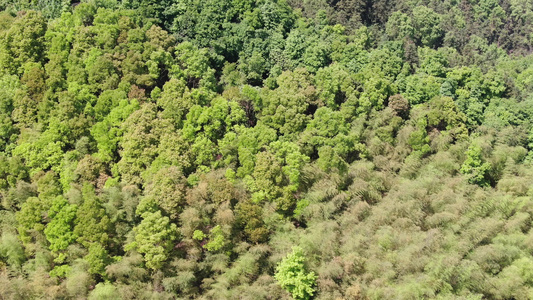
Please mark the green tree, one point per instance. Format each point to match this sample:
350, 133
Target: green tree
399, 26
45, 151
109, 132
193, 66
244, 143
167, 191
250, 216
60, 230
92, 222
333, 84
11, 86
217, 240
104, 291
420, 88
292, 275
426, 25
31, 218
159, 10
277, 175
98, 259
176, 100
285, 109
11, 250
154, 238
475, 168
23, 42
138, 147
418, 139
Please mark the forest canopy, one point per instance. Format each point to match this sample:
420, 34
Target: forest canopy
266, 149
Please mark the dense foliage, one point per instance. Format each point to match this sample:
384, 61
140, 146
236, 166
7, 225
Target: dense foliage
266, 149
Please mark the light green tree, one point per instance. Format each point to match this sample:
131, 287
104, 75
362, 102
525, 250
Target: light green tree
292, 275
475, 169
216, 239
154, 238
59, 231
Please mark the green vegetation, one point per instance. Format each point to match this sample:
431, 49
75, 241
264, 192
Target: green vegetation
292, 276
266, 149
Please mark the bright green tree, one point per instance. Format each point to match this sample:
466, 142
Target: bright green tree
60, 230
475, 168
293, 276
